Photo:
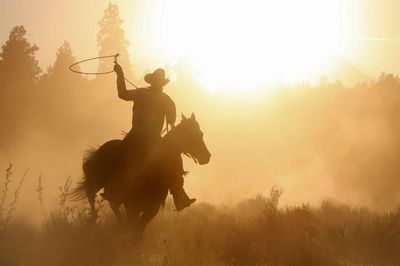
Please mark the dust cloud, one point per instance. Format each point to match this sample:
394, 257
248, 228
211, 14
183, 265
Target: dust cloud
313, 141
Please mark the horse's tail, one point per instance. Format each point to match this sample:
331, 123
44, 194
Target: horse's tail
79, 192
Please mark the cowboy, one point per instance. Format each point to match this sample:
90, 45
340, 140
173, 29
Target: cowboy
151, 107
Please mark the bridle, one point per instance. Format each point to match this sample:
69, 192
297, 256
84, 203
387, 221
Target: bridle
180, 149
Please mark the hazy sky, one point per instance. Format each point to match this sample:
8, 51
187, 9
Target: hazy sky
49, 23
376, 24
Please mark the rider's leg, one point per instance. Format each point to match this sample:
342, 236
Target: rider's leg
181, 199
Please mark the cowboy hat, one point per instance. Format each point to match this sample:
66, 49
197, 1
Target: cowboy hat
157, 77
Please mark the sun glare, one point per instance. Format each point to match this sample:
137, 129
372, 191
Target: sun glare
243, 44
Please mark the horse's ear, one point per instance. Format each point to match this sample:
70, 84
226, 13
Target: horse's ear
183, 117
193, 116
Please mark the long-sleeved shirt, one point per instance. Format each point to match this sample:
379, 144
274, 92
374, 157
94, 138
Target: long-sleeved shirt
151, 107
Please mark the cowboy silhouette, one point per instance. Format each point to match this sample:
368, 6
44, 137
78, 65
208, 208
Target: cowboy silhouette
151, 108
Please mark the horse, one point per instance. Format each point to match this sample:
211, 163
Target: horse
146, 187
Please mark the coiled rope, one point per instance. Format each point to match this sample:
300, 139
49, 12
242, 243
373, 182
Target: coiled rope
98, 73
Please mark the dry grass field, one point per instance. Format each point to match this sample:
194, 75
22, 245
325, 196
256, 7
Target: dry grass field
256, 231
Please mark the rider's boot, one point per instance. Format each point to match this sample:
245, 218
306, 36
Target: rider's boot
182, 200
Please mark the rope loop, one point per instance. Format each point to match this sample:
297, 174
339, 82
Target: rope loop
90, 59
98, 73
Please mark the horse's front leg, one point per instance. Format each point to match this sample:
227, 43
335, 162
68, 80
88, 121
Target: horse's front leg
147, 216
132, 214
115, 208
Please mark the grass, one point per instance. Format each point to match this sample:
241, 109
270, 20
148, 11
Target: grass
4, 191
255, 231
5, 220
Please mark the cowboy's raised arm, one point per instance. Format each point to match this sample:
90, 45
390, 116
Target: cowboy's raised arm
123, 93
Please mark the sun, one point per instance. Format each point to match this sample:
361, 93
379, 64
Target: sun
242, 44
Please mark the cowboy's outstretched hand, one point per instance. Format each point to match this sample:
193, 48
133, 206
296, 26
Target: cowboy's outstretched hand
118, 69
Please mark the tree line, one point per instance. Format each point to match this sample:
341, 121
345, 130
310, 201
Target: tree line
31, 97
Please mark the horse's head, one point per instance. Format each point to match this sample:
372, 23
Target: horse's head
189, 139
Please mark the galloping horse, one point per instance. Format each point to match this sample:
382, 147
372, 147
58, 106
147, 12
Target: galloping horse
146, 186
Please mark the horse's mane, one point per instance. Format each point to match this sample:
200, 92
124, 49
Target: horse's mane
184, 121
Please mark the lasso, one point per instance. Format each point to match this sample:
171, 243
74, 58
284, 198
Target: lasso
97, 73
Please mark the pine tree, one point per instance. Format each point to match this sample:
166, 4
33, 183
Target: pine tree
111, 40
64, 58
58, 74
62, 94
18, 64
20, 71
62, 87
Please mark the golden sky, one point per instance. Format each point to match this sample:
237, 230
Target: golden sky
369, 32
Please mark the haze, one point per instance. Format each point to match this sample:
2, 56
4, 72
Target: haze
318, 139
